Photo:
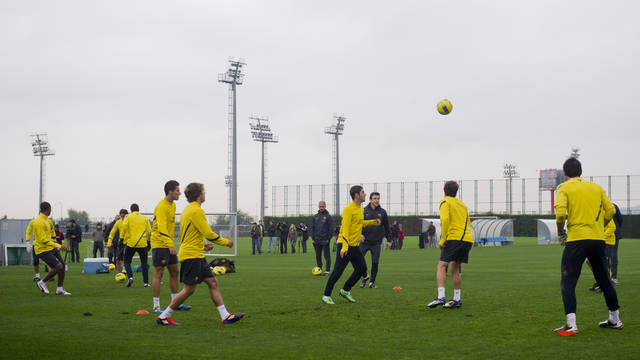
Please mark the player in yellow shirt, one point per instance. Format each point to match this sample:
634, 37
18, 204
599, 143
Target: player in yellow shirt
587, 210
117, 241
137, 232
348, 244
194, 268
46, 248
163, 251
455, 241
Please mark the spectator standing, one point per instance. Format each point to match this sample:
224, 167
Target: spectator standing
255, 239
293, 235
111, 253
431, 235
59, 235
98, 241
271, 233
400, 236
613, 251
394, 235
261, 228
321, 225
284, 234
304, 231
75, 237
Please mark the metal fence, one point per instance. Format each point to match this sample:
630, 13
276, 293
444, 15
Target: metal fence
422, 197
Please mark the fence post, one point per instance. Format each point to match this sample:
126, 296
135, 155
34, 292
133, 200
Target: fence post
402, 198
430, 197
286, 200
491, 196
417, 198
475, 196
273, 201
628, 194
524, 210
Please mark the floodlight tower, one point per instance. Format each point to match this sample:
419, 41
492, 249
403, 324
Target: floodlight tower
233, 77
40, 147
510, 173
261, 132
336, 130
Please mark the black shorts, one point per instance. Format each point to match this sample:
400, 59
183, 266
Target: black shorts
52, 258
162, 257
120, 252
456, 250
193, 271
36, 259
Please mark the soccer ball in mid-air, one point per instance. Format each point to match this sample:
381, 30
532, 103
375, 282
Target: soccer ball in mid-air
120, 277
112, 267
444, 106
316, 271
219, 270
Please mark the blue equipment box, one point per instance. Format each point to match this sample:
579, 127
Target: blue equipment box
96, 266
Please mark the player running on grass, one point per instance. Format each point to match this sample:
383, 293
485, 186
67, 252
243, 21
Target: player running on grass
194, 268
586, 209
456, 242
349, 240
117, 243
46, 248
138, 231
163, 251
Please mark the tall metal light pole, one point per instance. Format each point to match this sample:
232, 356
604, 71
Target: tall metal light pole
233, 77
575, 152
40, 147
261, 132
510, 173
336, 130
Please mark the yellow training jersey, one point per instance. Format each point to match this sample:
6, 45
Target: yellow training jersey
454, 221
137, 230
164, 224
610, 233
117, 227
586, 208
44, 234
193, 230
352, 223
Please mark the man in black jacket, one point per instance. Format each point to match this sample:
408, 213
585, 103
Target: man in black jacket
321, 226
373, 237
111, 251
75, 237
304, 231
284, 235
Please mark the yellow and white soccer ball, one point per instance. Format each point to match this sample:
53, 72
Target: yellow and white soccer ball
444, 106
112, 267
316, 271
120, 277
219, 270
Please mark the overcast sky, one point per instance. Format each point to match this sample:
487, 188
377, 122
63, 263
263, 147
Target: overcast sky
128, 93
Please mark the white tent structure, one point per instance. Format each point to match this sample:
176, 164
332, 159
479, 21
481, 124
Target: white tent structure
547, 232
492, 232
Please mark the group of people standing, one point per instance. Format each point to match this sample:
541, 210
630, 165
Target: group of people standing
290, 235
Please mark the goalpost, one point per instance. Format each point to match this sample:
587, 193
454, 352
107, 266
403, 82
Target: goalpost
223, 224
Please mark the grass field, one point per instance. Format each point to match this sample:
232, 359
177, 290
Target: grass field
511, 298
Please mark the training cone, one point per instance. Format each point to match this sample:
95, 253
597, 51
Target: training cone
397, 288
564, 333
142, 312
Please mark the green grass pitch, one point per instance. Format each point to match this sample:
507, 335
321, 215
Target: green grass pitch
511, 302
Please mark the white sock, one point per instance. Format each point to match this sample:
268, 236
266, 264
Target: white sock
440, 292
166, 313
37, 275
613, 317
456, 294
156, 302
59, 288
571, 319
223, 311
173, 295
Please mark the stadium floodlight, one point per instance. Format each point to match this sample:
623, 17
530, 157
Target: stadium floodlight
233, 76
261, 132
40, 147
509, 172
336, 130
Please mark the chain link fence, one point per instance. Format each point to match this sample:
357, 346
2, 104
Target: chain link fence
517, 196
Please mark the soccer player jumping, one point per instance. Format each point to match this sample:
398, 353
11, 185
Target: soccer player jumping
456, 242
349, 241
194, 268
586, 209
